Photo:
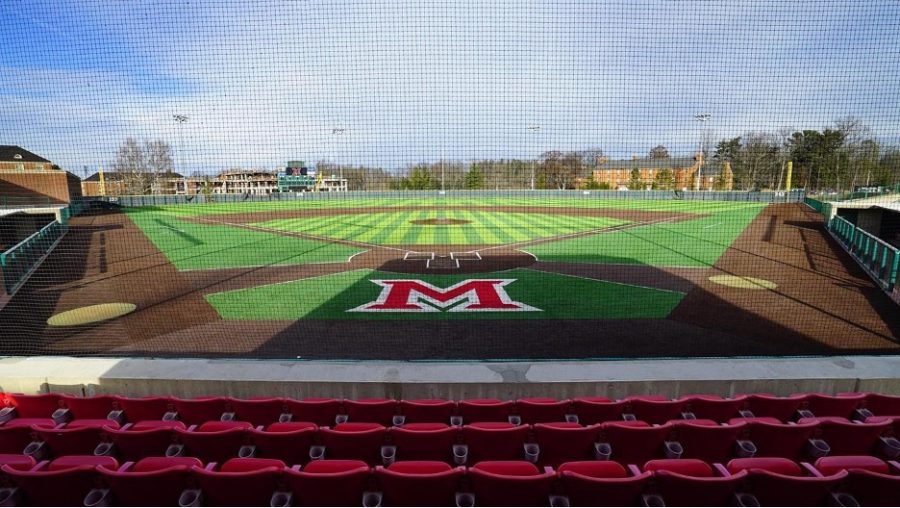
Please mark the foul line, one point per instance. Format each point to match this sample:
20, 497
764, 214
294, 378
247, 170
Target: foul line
607, 281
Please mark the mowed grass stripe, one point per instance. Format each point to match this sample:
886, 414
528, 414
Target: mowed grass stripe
518, 229
482, 230
389, 230
496, 227
470, 230
412, 232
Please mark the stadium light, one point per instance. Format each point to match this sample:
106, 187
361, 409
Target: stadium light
701, 119
534, 129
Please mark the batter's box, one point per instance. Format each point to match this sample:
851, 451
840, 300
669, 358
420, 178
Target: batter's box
466, 256
442, 263
418, 256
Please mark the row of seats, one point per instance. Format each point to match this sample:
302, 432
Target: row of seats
545, 444
46, 409
169, 481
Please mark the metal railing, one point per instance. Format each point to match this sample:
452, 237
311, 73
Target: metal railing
20, 261
878, 258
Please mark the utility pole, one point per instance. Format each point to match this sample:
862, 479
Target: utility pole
701, 118
337, 131
534, 129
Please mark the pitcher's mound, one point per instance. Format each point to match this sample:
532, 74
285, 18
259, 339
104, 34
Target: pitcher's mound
440, 222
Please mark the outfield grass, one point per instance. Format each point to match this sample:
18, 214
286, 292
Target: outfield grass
192, 246
558, 297
694, 243
485, 228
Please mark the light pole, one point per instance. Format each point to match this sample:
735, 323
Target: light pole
337, 132
180, 120
701, 118
534, 129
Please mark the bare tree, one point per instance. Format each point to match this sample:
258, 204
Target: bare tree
132, 167
659, 152
158, 156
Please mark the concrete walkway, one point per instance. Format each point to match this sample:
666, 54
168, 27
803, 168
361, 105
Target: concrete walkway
299, 379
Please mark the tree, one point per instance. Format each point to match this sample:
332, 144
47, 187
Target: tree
659, 152
559, 170
636, 182
664, 180
141, 166
475, 178
728, 149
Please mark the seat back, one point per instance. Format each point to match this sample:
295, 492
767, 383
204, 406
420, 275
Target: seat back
485, 410
634, 444
427, 410
782, 408
419, 483
655, 411
137, 444
780, 440
542, 410
424, 441
714, 408
239, 488
379, 411
329, 483
201, 410
773, 489
591, 410
64, 487
679, 489
34, 406
826, 405
711, 443
144, 408
353, 441
80, 441
216, 446
14, 439
847, 438
96, 407
602, 488
510, 483
322, 412
257, 411
291, 447
153, 481
873, 489
497, 441
564, 443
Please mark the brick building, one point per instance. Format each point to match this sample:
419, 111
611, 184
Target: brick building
617, 173
27, 178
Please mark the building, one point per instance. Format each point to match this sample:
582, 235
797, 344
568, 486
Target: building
116, 184
332, 184
683, 170
251, 181
29, 178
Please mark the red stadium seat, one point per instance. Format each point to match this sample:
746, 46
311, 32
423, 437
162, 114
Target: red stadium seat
63, 482
415, 483
510, 483
869, 479
713, 407
494, 441
322, 412
882, 405
826, 405
485, 410
782, 408
31, 409
656, 410
635, 442
134, 445
564, 442
846, 438
601, 483
381, 411
542, 410
781, 482
358, 441
424, 441
257, 411
288, 442
692, 482
329, 483
13, 440
214, 441
90, 408
152, 481
591, 410
144, 408
200, 410
779, 439
706, 440
240, 482
17, 461
427, 410
77, 441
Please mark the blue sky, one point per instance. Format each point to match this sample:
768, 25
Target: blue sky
267, 81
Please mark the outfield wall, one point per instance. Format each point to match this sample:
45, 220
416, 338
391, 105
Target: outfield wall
795, 196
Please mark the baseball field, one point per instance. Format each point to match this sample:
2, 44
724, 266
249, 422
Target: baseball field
453, 278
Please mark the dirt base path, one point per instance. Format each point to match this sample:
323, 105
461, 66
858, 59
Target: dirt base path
822, 295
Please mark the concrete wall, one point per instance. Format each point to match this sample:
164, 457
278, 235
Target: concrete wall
869, 220
614, 379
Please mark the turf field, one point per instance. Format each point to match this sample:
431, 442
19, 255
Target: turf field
451, 278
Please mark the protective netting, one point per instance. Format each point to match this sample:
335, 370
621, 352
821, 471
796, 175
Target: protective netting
449, 179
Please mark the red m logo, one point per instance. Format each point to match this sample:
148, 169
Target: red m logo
473, 295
